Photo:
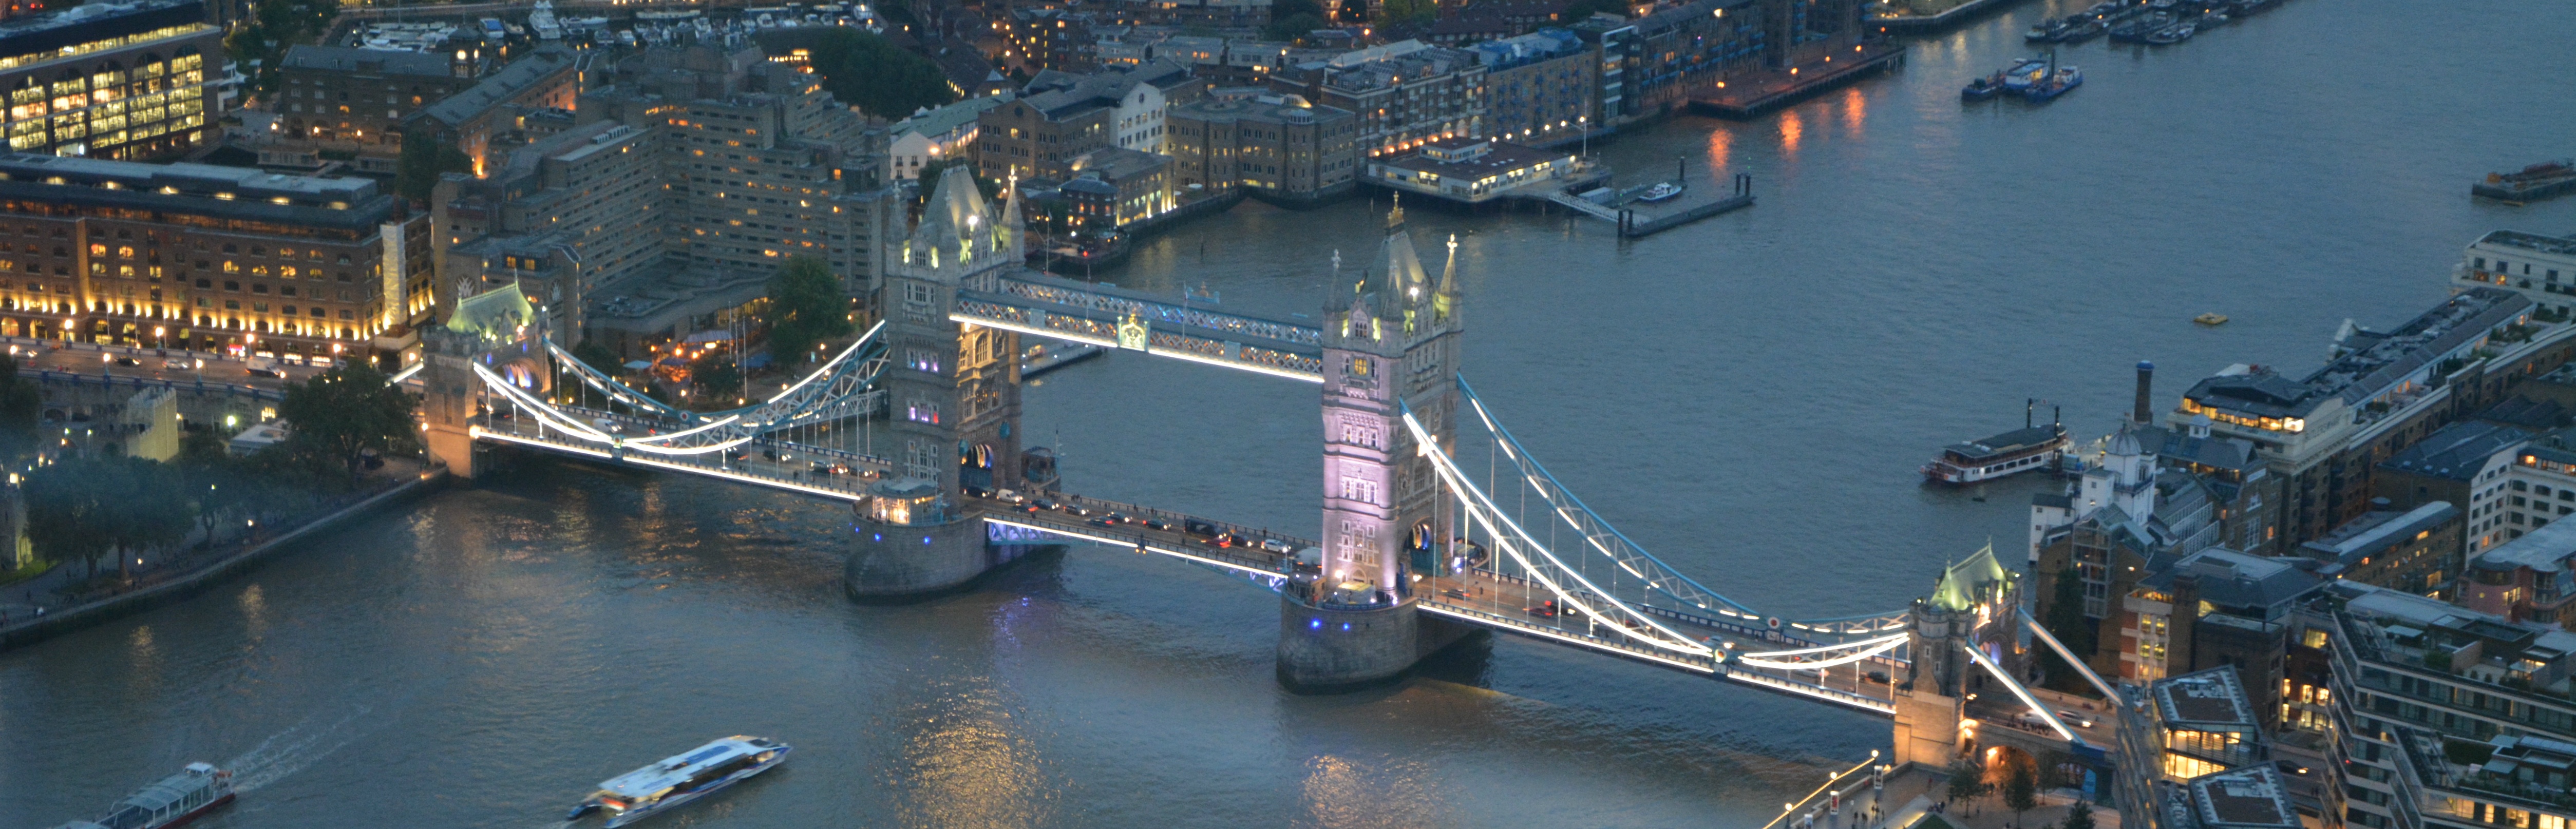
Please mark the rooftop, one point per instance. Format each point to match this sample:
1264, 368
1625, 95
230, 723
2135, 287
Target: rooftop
238, 192
2366, 362
1473, 158
347, 59
51, 32
500, 86
949, 118
2457, 451
2250, 797
2533, 242
2237, 582
2376, 532
1544, 44
2211, 700
2546, 549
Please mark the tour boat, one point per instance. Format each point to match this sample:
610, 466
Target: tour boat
2211, 318
2016, 451
681, 778
175, 800
1661, 191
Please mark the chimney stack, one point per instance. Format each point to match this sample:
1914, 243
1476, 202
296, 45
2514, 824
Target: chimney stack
2145, 415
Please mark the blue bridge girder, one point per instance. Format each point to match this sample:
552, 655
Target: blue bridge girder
1047, 306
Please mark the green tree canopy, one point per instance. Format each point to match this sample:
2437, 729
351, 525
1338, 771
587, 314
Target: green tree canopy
85, 508
2079, 816
1581, 10
1392, 12
598, 357
342, 412
275, 26
424, 158
867, 71
2065, 620
21, 405
2021, 789
806, 306
1966, 780
1292, 27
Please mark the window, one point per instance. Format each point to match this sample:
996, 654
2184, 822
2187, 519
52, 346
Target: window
1361, 490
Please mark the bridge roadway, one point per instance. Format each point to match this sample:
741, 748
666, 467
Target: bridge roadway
1065, 309
1501, 601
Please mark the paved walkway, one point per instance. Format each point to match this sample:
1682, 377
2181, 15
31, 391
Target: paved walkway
59, 588
1918, 792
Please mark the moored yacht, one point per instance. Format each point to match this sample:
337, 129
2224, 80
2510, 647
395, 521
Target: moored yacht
2020, 450
681, 778
175, 800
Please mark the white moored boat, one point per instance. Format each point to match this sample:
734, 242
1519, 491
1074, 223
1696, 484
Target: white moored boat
681, 778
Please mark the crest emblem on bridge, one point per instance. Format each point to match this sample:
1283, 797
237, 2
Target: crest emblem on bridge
1133, 334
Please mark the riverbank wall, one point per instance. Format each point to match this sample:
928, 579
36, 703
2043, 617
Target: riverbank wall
22, 632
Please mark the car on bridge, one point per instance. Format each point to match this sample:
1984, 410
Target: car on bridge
1152, 524
129, 362
1544, 610
1277, 546
1074, 509
1009, 496
1046, 504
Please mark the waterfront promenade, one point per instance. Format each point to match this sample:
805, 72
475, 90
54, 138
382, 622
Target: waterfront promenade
67, 597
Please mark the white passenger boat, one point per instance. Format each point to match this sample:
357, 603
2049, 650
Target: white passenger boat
681, 778
175, 800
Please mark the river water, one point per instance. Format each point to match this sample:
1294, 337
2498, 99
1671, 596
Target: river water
1747, 396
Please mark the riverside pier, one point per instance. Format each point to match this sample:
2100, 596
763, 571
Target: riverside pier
1749, 95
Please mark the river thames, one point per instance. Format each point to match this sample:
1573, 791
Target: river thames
1748, 397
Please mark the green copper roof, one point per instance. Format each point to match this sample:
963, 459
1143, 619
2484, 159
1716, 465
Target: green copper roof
1959, 585
493, 314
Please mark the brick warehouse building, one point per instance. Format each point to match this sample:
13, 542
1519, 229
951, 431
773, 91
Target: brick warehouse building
187, 255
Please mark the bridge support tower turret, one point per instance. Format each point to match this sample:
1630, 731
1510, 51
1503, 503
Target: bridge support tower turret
496, 329
952, 400
1390, 346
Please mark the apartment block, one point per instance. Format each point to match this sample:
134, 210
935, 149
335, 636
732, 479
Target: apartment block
132, 80
197, 256
1277, 147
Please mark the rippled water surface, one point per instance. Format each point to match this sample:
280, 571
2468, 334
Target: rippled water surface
1747, 396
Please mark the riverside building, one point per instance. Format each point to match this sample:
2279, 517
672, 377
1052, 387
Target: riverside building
2321, 435
345, 100
1405, 94
196, 256
2448, 718
760, 163
112, 80
2542, 268
1061, 117
1276, 147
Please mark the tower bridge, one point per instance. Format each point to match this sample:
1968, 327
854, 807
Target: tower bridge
916, 425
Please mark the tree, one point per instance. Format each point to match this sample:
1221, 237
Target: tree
930, 171
343, 412
1966, 778
2079, 816
715, 377
21, 405
598, 357
867, 71
2021, 788
2066, 622
84, 508
806, 306
424, 159
1407, 11
1581, 10
1292, 27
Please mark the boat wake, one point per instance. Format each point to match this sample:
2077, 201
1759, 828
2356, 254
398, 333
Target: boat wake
292, 750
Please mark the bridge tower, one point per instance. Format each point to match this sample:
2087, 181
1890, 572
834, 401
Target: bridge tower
496, 329
1386, 351
952, 399
1973, 607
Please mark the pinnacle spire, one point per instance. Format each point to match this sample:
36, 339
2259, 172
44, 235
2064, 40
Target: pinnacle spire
1395, 215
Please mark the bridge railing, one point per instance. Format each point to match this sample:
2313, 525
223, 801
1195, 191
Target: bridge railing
112, 381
